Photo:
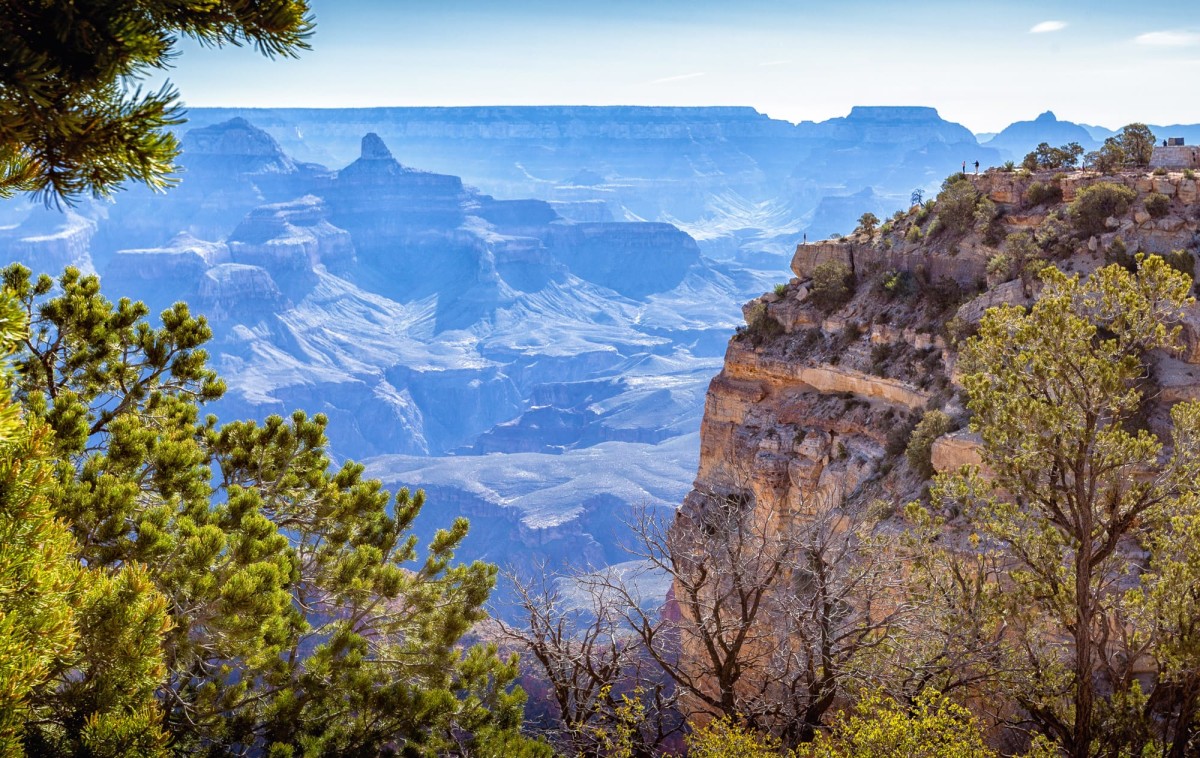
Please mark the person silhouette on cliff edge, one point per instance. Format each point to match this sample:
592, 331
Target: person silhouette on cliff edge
976, 168
964, 167
806, 238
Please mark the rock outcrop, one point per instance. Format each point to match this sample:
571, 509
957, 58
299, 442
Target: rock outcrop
293, 236
816, 405
50, 240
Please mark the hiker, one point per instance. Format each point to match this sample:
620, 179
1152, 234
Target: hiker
976, 168
964, 167
806, 238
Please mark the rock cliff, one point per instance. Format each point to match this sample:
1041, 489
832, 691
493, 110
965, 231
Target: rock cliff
814, 400
821, 390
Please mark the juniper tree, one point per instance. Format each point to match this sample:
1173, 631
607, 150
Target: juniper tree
1077, 489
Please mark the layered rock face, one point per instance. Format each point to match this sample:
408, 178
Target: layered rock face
714, 172
775, 376
292, 236
47, 238
817, 406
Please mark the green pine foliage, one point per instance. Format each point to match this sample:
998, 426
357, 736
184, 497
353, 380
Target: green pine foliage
73, 120
275, 602
39, 578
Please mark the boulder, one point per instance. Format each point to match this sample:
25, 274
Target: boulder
955, 450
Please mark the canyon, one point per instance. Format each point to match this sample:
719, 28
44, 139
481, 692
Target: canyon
523, 314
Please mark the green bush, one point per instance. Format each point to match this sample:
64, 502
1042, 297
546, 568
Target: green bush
897, 284
760, 324
1008, 167
1157, 204
832, 285
956, 206
1001, 266
1189, 174
919, 451
1040, 193
944, 294
1117, 253
781, 289
1182, 261
913, 234
1160, 171
1092, 205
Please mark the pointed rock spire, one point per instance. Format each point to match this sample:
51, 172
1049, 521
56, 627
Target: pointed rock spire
373, 149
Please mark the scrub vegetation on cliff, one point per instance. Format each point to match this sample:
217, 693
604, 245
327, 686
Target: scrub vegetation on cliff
947, 490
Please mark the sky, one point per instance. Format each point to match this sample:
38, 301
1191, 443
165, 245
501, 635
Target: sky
980, 63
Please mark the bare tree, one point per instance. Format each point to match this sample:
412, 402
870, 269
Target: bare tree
610, 696
777, 607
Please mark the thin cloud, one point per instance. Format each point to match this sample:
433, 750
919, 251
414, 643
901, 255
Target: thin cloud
1048, 26
1168, 38
678, 78
776, 63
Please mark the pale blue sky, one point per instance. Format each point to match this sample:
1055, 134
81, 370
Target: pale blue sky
980, 63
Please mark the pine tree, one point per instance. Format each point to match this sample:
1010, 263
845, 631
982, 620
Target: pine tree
39, 578
72, 118
302, 615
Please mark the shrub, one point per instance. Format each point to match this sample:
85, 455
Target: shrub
1054, 236
913, 234
985, 212
898, 284
944, 294
919, 450
1182, 261
1008, 167
760, 324
957, 331
885, 229
724, 738
1189, 174
1092, 205
900, 432
1157, 204
1001, 266
956, 206
1040, 193
781, 289
1160, 171
933, 726
1023, 252
831, 285
1117, 253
